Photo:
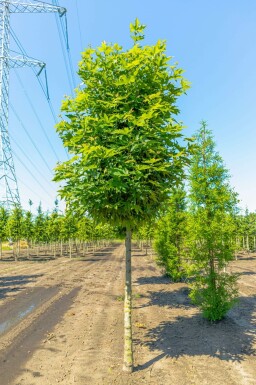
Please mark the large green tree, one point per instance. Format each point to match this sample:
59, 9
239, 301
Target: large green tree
121, 130
212, 228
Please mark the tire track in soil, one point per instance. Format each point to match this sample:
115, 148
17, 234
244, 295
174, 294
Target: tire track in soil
104, 342
43, 274
85, 346
103, 290
14, 356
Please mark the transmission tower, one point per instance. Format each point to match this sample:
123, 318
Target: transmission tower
9, 193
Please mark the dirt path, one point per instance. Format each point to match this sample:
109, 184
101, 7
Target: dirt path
61, 322
177, 346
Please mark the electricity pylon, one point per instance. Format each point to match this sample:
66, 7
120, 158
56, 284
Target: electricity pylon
9, 193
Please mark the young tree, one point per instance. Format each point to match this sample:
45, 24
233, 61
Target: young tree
53, 228
40, 227
28, 228
170, 234
69, 229
144, 235
15, 227
121, 130
3, 223
212, 228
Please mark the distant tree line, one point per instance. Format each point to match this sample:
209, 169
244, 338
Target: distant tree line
53, 232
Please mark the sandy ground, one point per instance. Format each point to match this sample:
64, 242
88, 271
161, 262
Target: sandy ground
61, 322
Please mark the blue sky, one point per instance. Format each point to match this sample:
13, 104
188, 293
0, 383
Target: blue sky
213, 41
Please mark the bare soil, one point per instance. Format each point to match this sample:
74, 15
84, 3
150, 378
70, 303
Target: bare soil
61, 322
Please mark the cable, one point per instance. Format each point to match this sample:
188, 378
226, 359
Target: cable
64, 56
32, 141
29, 160
28, 187
33, 176
68, 51
79, 26
36, 115
64, 36
44, 88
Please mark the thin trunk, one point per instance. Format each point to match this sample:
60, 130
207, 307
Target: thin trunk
70, 248
18, 254
1, 254
61, 251
128, 354
212, 273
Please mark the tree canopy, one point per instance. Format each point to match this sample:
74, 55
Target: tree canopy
120, 128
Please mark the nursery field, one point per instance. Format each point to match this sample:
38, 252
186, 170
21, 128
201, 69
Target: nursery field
61, 322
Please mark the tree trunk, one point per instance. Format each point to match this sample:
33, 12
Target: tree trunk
128, 354
70, 248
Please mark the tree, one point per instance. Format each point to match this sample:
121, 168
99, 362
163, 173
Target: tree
121, 130
69, 228
212, 228
3, 223
144, 235
28, 228
14, 227
53, 228
40, 227
170, 234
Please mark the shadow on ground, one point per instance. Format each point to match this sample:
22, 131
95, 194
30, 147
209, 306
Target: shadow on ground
231, 339
15, 283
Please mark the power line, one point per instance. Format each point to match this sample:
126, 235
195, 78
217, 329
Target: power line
43, 87
29, 136
79, 26
33, 176
29, 160
29, 188
45, 91
36, 115
65, 45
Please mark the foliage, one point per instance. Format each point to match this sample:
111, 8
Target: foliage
14, 226
28, 226
39, 225
211, 228
169, 236
3, 222
121, 132
246, 230
146, 231
53, 226
215, 301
